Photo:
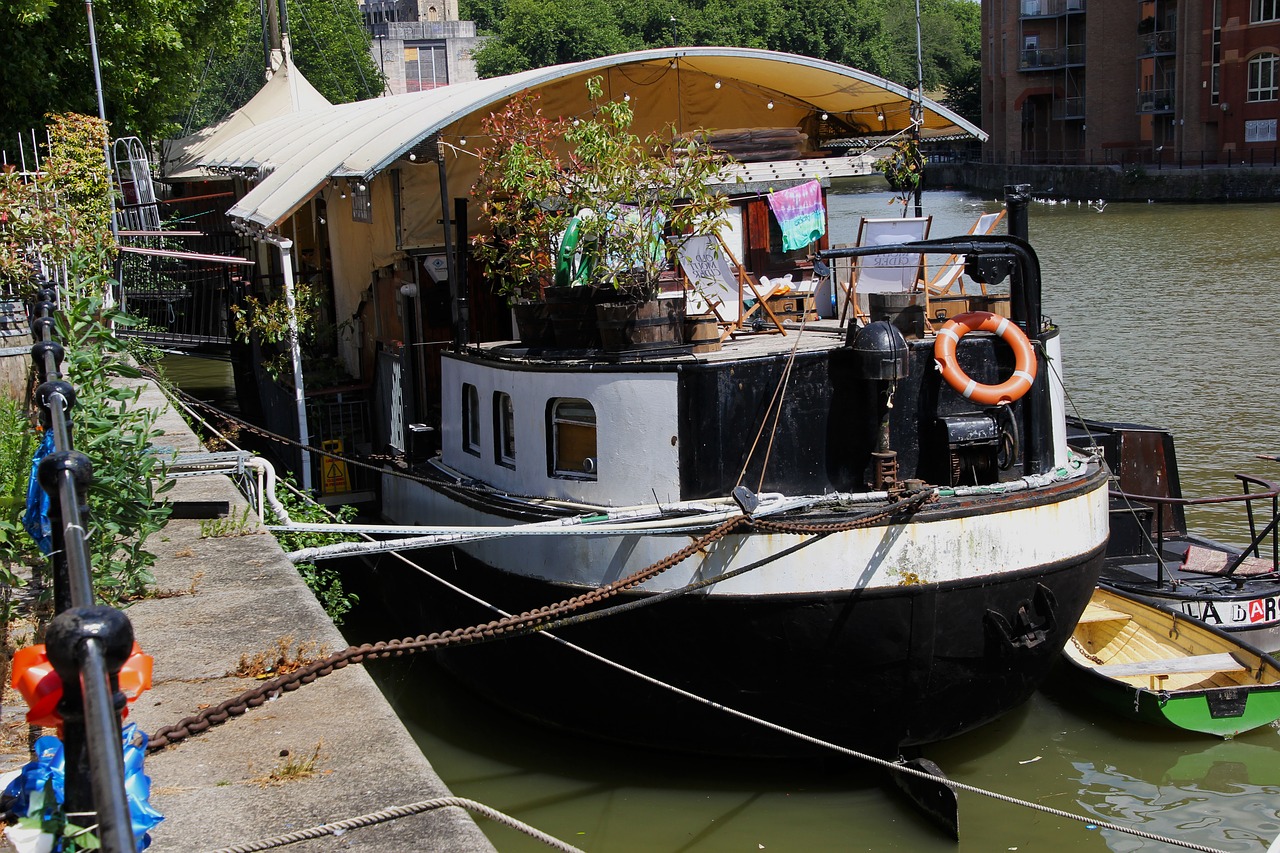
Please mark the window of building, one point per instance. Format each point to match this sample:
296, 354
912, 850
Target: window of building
470, 419
361, 202
425, 67
1265, 10
1215, 58
573, 438
1262, 77
504, 429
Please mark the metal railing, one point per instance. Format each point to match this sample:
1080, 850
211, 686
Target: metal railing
184, 301
1068, 108
1045, 58
1270, 491
1156, 100
1045, 8
1161, 41
87, 644
1159, 158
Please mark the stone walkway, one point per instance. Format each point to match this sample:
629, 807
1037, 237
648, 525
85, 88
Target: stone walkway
232, 597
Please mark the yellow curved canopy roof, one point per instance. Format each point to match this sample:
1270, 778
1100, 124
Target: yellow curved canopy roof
690, 88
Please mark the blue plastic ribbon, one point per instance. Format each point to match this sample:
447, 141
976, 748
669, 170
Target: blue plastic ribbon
48, 768
36, 518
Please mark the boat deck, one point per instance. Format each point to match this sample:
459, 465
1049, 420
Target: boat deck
813, 336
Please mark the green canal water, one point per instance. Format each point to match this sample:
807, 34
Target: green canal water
1168, 319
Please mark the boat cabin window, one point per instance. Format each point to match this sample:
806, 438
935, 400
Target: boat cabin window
470, 419
572, 432
504, 429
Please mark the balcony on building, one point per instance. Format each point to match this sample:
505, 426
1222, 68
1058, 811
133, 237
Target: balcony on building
1156, 42
1155, 101
1051, 58
1050, 8
1068, 109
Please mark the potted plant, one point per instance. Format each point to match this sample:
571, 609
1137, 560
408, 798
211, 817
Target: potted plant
587, 205
518, 191
903, 169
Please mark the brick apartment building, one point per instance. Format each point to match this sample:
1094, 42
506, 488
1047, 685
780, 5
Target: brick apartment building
1078, 81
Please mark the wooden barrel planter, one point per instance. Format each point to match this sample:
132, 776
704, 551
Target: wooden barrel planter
654, 324
533, 323
572, 311
702, 332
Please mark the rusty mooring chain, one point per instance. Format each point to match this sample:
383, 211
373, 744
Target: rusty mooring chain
523, 622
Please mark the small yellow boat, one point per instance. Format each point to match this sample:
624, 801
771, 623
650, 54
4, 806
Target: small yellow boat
1153, 663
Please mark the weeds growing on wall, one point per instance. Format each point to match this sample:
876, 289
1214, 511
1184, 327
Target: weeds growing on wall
17, 443
322, 579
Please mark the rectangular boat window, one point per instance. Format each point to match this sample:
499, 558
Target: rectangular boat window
470, 419
504, 430
573, 438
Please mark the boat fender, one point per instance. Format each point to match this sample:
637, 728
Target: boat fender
1024, 366
573, 260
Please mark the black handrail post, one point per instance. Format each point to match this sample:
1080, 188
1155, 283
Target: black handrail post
87, 646
65, 476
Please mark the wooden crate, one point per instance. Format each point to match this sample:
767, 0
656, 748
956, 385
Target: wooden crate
793, 307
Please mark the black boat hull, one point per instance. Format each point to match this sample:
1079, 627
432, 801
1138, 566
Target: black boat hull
875, 670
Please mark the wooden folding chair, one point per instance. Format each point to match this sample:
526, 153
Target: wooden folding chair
711, 268
886, 273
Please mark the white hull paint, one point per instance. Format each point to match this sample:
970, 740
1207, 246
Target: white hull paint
983, 542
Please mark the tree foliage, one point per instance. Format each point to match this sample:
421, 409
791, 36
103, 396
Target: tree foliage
878, 36
62, 215
151, 55
168, 66
330, 47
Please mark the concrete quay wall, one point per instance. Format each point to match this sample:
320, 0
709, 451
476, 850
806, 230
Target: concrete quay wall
1112, 183
221, 599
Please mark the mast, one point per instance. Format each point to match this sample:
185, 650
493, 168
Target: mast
917, 108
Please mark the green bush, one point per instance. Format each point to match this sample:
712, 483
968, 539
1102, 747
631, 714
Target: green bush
116, 433
323, 580
17, 444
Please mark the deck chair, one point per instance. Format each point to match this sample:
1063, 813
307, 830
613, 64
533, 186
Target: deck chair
951, 272
945, 291
711, 269
893, 273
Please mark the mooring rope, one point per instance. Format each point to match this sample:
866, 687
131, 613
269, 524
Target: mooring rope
393, 813
387, 650
892, 766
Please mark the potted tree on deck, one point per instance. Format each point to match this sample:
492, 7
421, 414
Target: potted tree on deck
584, 211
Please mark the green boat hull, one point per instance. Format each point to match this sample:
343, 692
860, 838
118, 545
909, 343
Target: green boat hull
1224, 712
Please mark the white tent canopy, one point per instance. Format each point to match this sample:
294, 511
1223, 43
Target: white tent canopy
690, 88
285, 94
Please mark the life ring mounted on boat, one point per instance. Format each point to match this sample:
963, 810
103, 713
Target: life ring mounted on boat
1024, 355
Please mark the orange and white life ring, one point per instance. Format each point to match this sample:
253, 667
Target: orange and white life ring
1024, 355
